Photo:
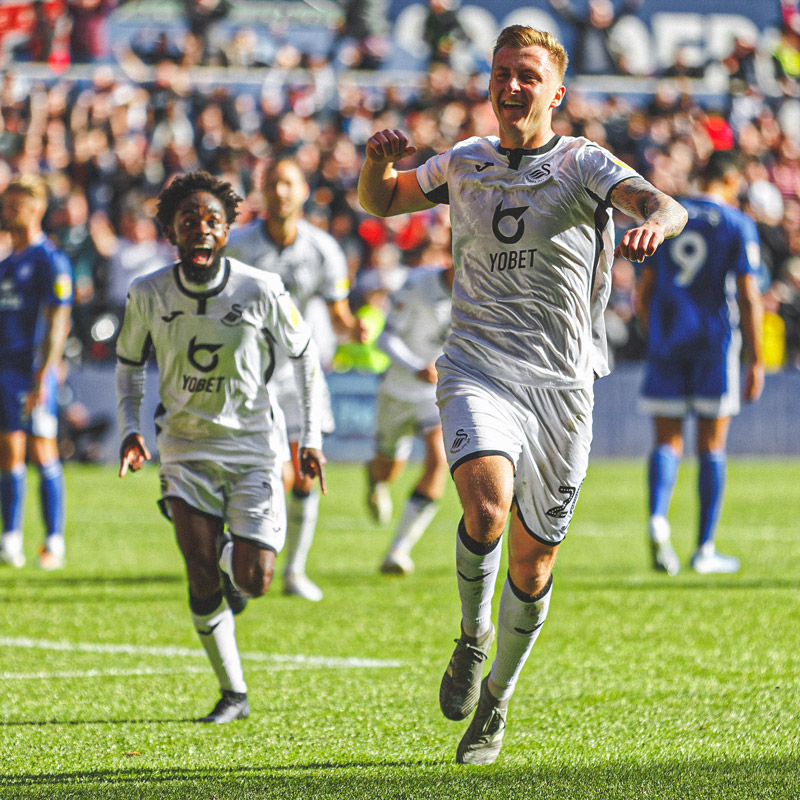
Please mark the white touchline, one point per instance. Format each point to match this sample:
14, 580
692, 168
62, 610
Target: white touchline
187, 652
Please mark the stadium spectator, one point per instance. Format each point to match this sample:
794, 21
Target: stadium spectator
442, 30
204, 18
500, 393
89, 38
311, 265
693, 355
595, 51
361, 40
35, 301
221, 450
416, 326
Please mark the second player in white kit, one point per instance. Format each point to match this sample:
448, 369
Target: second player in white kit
311, 264
416, 327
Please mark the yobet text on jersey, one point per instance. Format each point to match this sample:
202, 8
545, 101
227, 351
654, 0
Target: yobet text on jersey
512, 259
192, 383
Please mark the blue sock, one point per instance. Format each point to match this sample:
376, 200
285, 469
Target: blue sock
51, 490
12, 497
662, 473
711, 486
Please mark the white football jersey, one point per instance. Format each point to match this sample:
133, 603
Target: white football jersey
313, 265
533, 244
216, 354
417, 324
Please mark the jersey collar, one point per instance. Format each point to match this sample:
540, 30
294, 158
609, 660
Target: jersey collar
191, 289
516, 154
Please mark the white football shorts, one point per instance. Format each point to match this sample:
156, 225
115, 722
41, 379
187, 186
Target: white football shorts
545, 433
398, 422
248, 499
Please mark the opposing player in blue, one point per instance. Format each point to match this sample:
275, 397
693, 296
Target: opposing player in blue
699, 298
35, 304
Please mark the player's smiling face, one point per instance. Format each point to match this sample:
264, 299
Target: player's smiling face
200, 231
524, 88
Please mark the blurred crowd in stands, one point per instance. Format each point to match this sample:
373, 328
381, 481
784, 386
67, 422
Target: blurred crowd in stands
108, 143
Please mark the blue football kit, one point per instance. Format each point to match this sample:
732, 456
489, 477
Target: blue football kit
30, 281
693, 339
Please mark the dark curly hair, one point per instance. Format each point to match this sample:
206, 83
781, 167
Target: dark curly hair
182, 186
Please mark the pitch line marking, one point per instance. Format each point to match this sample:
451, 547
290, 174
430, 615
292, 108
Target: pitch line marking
187, 652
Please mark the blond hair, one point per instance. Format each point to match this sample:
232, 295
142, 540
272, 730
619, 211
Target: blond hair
519, 36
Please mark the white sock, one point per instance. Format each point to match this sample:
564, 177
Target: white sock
477, 575
217, 632
303, 513
418, 513
518, 624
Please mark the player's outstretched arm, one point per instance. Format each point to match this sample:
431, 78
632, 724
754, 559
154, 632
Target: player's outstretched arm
659, 215
312, 464
132, 454
382, 190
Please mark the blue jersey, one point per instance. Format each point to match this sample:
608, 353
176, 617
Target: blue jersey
31, 280
693, 311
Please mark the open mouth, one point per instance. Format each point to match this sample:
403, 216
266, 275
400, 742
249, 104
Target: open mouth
202, 256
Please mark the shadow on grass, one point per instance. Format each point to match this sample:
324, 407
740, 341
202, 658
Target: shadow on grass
390, 779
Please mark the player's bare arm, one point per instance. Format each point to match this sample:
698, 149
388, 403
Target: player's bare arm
751, 313
382, 190
345, 324
57, 320
660, 217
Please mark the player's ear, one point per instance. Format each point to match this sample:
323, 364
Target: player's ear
169, 232
558, 97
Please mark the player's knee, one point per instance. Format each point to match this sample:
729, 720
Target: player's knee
256, 579
485, 519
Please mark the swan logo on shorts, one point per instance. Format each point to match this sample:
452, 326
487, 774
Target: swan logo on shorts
461, 439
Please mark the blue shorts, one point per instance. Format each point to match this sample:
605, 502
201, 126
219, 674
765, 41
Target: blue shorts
707, 387
14, 387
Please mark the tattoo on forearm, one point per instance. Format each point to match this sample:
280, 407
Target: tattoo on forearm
641, 200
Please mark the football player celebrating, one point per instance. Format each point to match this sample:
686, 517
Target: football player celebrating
214, 324
311, 264
532, 248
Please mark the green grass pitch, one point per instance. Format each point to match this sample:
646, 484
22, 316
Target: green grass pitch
640, 686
